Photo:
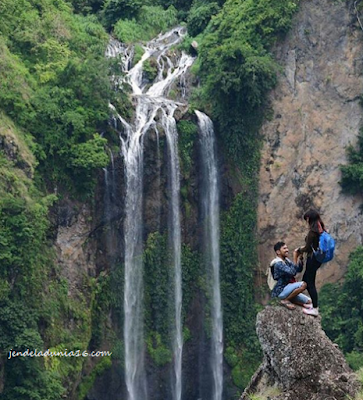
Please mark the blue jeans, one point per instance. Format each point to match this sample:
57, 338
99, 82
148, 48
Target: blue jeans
289, 288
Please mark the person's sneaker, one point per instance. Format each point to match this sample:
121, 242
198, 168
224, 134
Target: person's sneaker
308, 305
311, 311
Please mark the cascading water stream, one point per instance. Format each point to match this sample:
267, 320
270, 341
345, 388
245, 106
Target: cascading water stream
211, 228
172, 139
150, 103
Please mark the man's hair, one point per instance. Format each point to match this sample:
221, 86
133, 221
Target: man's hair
278, 246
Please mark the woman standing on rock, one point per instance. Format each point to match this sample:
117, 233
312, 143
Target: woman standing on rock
316, 227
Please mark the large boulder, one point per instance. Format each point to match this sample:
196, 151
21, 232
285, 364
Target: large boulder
300, 361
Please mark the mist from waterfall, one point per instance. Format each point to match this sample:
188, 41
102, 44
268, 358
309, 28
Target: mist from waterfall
210, 200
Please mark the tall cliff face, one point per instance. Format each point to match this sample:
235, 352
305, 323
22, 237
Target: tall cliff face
316, 114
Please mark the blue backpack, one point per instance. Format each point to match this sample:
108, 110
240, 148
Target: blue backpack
325, 251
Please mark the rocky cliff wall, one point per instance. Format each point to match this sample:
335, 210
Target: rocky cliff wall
316, 114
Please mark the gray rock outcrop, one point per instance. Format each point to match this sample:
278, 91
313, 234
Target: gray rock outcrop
316, 115
300, 361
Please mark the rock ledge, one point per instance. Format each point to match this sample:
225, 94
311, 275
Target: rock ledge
300, 361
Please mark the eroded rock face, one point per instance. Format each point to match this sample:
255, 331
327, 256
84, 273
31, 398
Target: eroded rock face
75, 255
300, 361
316, 114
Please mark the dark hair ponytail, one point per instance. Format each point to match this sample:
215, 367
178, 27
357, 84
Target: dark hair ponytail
314, 217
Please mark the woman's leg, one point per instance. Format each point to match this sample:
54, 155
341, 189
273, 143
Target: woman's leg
309, 277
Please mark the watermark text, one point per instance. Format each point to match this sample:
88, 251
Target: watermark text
56, 353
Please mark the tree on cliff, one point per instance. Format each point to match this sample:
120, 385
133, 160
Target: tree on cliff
342, 314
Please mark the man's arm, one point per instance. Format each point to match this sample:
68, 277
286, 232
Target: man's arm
288, 268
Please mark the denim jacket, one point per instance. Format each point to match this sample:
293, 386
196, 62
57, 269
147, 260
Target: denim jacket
283, 272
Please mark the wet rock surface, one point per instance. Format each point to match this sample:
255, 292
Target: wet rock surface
300, 361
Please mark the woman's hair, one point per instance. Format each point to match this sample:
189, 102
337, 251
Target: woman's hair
314, 217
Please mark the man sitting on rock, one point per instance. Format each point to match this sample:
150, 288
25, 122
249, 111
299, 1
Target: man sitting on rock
284, 271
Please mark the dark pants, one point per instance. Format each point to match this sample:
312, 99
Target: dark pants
309, 277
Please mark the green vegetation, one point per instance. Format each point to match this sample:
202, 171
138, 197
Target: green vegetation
54, 83
188, 132
237, 70
159, 353
26, 261
86, 385
342, 311
235, 63
139, 51
149, 21
150, 69
352, 174
239, 310
159, 290
54, 93
199, 16
191, 273
157, 280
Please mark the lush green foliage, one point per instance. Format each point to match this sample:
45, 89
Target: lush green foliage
115, 10
239, 309
157, 350
199, 16
148, 22
54, 83
87, 6
159, 278
54, 89
150, 69
191, 274
187, 131
352, 174
342, 310
86, 385
236, 67
157, 284
237, 70
25, 263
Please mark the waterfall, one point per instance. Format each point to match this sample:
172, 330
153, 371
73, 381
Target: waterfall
171, 137
151, 102
212, 256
